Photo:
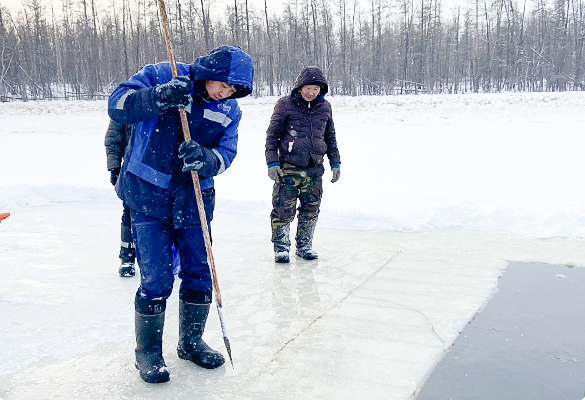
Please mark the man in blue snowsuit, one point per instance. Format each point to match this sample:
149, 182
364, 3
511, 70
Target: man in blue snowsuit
155, 182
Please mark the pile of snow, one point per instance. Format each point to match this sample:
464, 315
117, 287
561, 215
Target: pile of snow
16, 197
501, 162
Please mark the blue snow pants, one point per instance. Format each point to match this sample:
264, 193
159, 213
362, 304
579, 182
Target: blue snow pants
153, 239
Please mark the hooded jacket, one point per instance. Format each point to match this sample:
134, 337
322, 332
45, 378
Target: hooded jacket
151, 180
300, 132
117, 138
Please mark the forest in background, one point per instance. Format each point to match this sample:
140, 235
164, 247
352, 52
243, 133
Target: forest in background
74, 49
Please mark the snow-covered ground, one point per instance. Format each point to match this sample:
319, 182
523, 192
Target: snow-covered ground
436, 193
504, 162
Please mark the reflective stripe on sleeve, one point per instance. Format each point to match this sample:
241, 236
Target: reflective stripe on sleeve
122, 100
221, 161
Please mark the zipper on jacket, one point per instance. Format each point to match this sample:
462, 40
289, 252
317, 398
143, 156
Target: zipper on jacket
311, 129
308, 107
310, 120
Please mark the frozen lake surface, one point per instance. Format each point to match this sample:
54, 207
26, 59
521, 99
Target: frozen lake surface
437, 194
369, 320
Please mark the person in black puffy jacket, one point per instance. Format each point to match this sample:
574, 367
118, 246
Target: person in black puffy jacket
117, 137
300, 134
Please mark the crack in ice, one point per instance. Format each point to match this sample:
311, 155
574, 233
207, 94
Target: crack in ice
332, 307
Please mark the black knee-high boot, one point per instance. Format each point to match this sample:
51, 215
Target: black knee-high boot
149, 322
192, 318
304, 237
281, 240
127, 253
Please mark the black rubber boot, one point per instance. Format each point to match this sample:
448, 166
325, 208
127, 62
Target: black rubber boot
281, 240
127, 270
304, 238
192, 318
127, 253
149, 322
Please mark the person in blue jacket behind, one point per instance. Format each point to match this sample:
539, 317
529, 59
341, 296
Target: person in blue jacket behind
155, 182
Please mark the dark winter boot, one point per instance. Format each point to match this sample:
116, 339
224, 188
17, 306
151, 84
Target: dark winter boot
127, 270
304, 238
149, 322
127, 253
192, 318
281, 240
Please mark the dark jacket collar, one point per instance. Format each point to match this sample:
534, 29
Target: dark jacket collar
200, 95
309, 105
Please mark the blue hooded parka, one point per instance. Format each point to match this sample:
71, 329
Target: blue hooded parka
151, 180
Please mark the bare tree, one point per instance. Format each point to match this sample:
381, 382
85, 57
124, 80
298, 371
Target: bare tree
270, 52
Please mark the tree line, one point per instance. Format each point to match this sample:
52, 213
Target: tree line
81, 49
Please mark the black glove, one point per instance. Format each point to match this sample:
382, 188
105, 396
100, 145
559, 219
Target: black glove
114, 173
192, 155
176, 93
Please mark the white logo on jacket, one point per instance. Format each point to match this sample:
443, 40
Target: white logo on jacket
225, 107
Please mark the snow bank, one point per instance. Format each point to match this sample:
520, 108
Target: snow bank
501, 162
16, 197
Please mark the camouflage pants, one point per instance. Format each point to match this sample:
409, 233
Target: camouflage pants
295, 185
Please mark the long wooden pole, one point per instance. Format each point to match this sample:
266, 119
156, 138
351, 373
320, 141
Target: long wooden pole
196, 186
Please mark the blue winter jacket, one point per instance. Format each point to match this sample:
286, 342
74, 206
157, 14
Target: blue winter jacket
151, 180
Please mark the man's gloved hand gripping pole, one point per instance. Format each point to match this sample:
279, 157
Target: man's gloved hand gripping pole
175, 93
192, 154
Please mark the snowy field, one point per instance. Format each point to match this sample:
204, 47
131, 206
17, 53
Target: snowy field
501, 162
436, 194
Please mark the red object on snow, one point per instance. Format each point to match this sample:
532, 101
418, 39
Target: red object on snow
3, 216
